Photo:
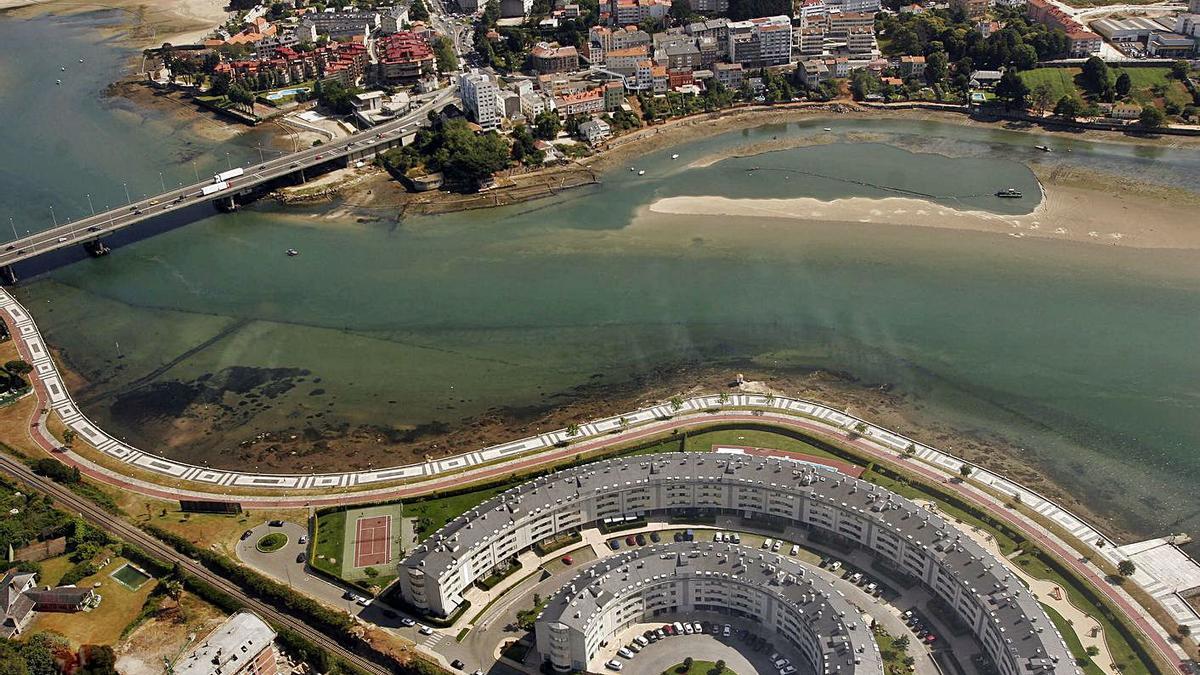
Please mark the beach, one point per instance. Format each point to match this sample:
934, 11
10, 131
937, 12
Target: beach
145, 25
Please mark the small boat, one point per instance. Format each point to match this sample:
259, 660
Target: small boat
1009, 193
642, 172
1043, 148
292, 252
675, 156
81, 60
58, 82
828, 128
63, 68
632, 168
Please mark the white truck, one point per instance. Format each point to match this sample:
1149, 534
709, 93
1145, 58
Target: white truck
224, 176
213, 189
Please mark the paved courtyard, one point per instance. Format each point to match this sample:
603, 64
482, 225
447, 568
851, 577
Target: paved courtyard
736, 653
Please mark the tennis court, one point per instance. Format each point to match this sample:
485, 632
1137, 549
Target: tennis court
373, 541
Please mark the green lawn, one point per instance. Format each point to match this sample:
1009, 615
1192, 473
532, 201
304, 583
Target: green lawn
1061, 80
443, 510
698, 668
703, 442
1073, 643
272, 542
328, 542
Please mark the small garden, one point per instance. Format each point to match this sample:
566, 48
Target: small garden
693, 667
272, 542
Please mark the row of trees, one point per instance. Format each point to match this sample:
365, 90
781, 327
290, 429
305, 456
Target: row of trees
451, 147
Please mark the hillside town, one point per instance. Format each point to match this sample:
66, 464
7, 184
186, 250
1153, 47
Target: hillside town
560, 79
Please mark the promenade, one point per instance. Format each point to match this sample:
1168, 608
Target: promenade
809, 417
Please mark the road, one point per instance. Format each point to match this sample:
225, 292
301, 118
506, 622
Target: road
94, 226
119, 528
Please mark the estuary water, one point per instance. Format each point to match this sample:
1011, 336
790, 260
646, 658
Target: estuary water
1082, 353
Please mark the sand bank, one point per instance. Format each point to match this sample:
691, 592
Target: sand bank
1067, 213
147, 24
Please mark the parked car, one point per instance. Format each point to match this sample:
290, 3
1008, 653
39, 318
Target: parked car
615, 544
246, 535
276, 523
697, 627
407, 622
624, 653
641, 640
776, 545
613, 664
687, 629
425, 630
457, 664
654, 537
304, 539
630, 541
641, 540
568, 560
725, 631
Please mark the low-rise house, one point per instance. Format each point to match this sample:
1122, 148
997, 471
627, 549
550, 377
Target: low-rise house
552, 58
243, 645
21, 599
595, 131
985, 79
813, 72
911, 66
1125, 111
585, 102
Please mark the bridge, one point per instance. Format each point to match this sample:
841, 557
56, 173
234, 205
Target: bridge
364, 144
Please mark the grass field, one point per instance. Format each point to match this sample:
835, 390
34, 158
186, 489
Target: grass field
698, 668
1061, 80
330, 537
703, 442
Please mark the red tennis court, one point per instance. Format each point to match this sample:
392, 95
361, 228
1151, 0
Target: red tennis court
373, 541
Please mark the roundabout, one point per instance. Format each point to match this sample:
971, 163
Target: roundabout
271, 542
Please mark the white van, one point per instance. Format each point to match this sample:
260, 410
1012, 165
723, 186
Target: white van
767, 543
795, 549
678, 628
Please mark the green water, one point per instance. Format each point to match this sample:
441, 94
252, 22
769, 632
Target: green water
1084, 354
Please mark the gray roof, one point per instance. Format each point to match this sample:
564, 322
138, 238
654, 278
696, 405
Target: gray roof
1008, 603
229, 647
839, 628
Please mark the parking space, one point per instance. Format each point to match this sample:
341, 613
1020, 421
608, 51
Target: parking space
748, 649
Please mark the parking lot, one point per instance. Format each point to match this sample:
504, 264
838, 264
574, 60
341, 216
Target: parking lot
747, 649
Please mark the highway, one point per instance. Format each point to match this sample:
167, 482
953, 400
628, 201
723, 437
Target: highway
121, 529
92, 227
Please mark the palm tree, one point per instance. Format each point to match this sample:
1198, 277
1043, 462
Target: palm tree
723, 398
572, 429
910, 449
623, 423
965, 471
1126, 568
769, 399
676, 403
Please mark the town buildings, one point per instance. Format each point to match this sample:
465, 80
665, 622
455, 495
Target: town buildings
243, 645
551, 58
479, 95
907, 541
1082, 42
974, 9
595, 131
342, 25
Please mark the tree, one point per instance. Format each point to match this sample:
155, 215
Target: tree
572, 429
1126, 568
687, 663
10, 659
1024, 57
18, 366
1041, 97
901, 642
965, 471
547, 125
101, 660
1184, 630
1180, 70
1097, 78
471, 158
937, 67
1068, 107
1124, 85
681, 11
1151, 117
491, 13
443, 51
1011, 90
418, 12
718, 667
38, 653
173, 588
723, 398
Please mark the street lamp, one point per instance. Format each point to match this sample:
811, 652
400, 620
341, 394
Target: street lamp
89, 197
52, 216
260, 154
14, 228
228, 162
195, 171
127, 199
162, 181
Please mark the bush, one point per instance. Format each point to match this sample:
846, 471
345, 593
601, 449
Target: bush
56, 471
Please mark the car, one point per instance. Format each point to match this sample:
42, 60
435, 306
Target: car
365, 602
697, 627
654, 537
725, 631
153, 202
660, 634
624, 653
350, 144
795, 549
678, 536
300, 557
669, 629
615, 544
568, 560
719, 536
9, 248
837, 565
294, 165
630, 540
613, 664
775, 656
349, 595
782, 663
303, 539
166, 207
641, 640
873, 588
641, 540
856, 577
246, 535
930, 639
787, 670
776, 545
276, 523
767, 543
457, 664
737, 538
634, 647
425, 630
61, 239
319, 157
91, 228
687, 629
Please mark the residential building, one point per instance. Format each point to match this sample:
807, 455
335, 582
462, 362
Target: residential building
394, 19
635, 12
840, 23
861, 40
478, 91
534, 103
602, 40
1125, 111
624, 61
717, 29
551, 58
728, 74
682, 56
709, 6
911, 66
870, 6
985, 79
21, 599
404, 57
595, 131
810, 12
974, 9
614, 95
651, 584
514, 9
810, 41
243, 645
907, 540
586, 102
342, 25
765, 41
1082, 42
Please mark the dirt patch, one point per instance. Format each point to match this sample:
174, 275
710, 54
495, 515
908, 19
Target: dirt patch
165, 636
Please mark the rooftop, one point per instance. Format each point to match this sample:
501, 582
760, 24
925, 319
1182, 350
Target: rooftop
229, 647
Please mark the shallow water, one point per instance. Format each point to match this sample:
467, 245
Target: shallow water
1083, 353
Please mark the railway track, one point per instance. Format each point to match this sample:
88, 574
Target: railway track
125, 531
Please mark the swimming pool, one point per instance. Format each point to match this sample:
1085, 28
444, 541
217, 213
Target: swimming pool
130, 577
284, 93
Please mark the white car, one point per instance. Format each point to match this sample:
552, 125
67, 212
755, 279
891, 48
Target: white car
775, 546
687, 629
697, 627
624, 653
726, 631
426, 630
613, 665
795, 549
787, 670
767, 543
782, 663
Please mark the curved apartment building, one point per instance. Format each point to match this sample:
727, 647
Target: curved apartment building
643, 584
906, 539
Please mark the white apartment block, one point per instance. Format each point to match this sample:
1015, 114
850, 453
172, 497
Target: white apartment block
765, 41
479, 95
